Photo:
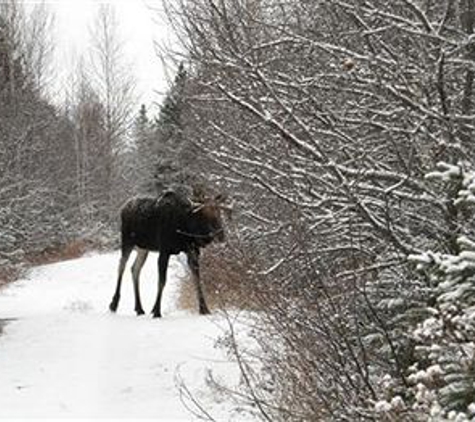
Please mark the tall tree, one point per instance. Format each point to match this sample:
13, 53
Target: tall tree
145, 152
172, 159
40, 45
114, 83
111, 73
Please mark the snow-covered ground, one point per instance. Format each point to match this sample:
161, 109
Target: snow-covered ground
62, 354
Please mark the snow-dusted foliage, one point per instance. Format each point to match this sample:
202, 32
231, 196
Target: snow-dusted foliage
35, 141
464, 180
321, 118
62, 170
440, 379
445, 366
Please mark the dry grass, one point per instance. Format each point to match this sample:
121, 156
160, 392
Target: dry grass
224, 279
186, 294
8, 274
55, 253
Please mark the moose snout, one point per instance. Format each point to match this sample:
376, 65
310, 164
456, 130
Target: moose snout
220, 237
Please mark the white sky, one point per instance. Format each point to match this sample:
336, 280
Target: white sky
138, 26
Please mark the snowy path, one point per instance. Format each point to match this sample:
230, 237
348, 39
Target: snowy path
64, 355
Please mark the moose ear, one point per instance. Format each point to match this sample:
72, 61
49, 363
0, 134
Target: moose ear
220, 197
199, 192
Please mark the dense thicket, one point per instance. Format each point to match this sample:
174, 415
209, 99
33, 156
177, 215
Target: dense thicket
322, 118
61, 168
35, 146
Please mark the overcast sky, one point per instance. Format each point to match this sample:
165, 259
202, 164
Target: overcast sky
139, 26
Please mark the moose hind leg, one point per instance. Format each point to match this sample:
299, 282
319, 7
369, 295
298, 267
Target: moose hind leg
123, 261
136, 269
163, 259
194, 264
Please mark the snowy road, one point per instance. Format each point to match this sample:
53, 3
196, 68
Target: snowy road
62, 354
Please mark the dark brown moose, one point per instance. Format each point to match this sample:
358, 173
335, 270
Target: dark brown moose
169, 225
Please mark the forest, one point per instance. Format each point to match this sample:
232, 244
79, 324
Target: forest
341, 131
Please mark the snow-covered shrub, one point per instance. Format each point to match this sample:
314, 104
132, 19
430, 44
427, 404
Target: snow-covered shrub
442, 377
327, 164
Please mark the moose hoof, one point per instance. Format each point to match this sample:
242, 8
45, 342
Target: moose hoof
156, 314
113, 307
204, 311
139, 312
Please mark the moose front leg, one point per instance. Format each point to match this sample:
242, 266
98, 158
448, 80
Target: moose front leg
136, 269
162, 279
194, 264
126, 250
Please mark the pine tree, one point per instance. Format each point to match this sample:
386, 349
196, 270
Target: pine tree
442, 376
169, 118
171, 146
145, 152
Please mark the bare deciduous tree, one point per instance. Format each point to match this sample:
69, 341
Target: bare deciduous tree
113, 81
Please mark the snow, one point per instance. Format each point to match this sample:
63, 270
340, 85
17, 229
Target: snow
63, 354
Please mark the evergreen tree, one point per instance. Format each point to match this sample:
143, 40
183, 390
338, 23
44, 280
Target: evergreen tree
171, 166
145, 152
440, 379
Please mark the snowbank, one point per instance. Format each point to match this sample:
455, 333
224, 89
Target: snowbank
64, 355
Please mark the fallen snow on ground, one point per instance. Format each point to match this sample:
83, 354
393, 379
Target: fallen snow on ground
63, 354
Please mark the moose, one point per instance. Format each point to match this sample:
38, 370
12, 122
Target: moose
170, 224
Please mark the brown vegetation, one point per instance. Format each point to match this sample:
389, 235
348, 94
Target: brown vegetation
8, 274
55, 253
224, 278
